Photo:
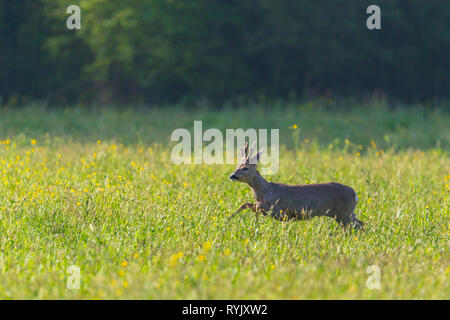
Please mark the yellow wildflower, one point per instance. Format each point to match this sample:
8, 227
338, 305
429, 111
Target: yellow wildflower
207, 245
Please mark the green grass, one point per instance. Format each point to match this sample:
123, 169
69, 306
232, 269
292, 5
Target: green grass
96, 189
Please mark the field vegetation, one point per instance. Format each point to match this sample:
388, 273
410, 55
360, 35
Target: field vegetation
96, 189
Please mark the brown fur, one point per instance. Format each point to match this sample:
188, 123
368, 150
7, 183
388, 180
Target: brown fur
284, 202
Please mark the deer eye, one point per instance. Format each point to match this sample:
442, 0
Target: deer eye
244, 169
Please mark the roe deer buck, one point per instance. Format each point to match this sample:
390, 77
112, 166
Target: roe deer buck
284, 202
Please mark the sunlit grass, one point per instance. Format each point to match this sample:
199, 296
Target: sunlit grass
140, 227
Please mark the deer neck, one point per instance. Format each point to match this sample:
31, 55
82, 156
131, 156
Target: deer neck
258, 185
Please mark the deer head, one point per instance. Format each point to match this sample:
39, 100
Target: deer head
246, 169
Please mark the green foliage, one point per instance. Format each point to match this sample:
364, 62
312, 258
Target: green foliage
165, 50
92, 188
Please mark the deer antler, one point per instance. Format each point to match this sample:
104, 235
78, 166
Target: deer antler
247, 152
244, 150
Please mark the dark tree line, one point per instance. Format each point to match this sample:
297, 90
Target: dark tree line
155, 51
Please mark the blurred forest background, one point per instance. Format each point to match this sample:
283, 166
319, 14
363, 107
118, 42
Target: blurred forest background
166, 51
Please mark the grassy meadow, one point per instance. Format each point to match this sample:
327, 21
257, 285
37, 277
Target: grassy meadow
95, 188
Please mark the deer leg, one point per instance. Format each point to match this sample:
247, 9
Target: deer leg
257, 209
243, 207
279, 214
252, 206
339, 217
356, 223
349, 220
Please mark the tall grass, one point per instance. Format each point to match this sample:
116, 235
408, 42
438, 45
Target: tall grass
96, 189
